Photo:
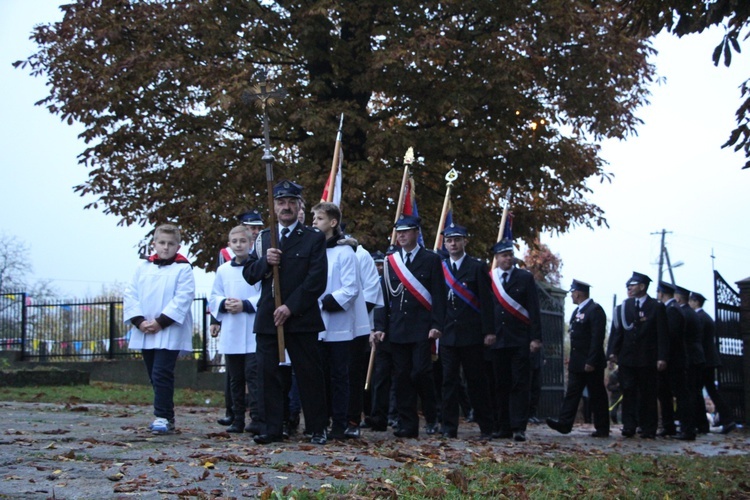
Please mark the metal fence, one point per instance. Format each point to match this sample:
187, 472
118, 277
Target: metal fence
85, 330
731, 349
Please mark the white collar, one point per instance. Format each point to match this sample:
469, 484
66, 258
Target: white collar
459, 261
583, 304
413, 253
291, 228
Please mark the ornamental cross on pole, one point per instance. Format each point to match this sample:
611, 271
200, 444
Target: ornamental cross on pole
263, 95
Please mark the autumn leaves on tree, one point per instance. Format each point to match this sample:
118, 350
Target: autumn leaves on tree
510, 94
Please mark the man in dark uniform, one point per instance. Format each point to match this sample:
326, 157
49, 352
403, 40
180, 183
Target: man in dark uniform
303, 269
696, 362
640, 348
518, 330
588, 325
468, 329
713, 362
413, 316
673, 382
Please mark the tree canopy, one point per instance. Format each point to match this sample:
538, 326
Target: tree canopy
685, 17
511, 94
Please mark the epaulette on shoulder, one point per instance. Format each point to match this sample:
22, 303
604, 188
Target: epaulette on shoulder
265, 230
476, 259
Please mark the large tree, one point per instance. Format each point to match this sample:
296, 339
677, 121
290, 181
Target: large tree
510, 93
685, 17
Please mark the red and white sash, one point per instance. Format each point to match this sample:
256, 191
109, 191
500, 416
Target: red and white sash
508, 303
410, 281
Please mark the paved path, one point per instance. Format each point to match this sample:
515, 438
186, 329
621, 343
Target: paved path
105, 451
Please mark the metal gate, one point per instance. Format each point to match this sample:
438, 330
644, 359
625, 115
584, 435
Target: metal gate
552, 308
729, 339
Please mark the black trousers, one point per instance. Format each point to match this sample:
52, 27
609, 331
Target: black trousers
412, 365
598, 400
359, 358
639, 391
471, 359
242, 370
673, 385
303, 353
512, 369
382, 375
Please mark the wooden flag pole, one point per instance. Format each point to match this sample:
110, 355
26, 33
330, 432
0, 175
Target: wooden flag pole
451, 176
505, 202
408, 160
335, 164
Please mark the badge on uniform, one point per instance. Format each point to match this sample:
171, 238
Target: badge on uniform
579, 317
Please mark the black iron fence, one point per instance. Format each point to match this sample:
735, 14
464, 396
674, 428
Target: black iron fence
85, 330
731, 349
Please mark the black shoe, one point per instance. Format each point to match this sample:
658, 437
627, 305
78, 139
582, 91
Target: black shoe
628, 433
648, 435
431, 429
336, 434
393, 422
666, 433
285, 432
450, 435
403, 433
253, 428
519, 436
237, 427
684, 436
559, 427
319, 438
375, 424
225, 420
267, 439
352, 432
502, 435
600, 434
726, 429
484, 436
534, 420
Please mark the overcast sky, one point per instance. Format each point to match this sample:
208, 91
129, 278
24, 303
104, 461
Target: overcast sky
673, 175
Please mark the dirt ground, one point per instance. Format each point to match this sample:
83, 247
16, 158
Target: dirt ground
106, 451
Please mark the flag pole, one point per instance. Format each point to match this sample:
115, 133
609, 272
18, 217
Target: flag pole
505, 202
335, 164
451, 176
408, 160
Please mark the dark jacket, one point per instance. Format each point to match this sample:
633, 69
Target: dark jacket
406, 320
303, 274
676, 328
647, 341
710, 349
693, 336
587, 331
511, 331
463, 325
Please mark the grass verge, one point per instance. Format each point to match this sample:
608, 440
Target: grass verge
107, 393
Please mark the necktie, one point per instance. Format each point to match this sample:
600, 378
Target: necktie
455, 268
637, 307
505, 277
284, 232
408, 259
575, 313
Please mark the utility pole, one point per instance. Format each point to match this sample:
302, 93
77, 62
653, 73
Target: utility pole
664, 255
661, 254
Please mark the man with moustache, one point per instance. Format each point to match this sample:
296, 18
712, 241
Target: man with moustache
303, 269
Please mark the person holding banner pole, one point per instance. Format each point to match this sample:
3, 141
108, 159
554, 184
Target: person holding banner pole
468, 329
518, 330
416, 314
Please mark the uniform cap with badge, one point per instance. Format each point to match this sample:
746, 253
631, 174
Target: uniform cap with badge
287, 189
251, 218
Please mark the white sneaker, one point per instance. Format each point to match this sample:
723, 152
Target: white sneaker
161, 426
